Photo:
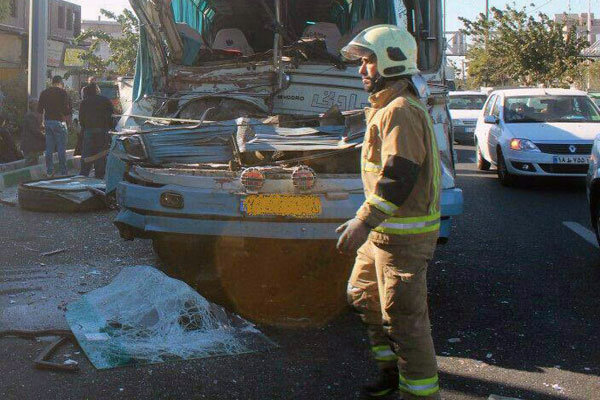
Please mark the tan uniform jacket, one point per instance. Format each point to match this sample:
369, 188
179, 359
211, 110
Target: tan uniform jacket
400, 140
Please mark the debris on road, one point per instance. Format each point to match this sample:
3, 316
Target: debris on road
42, 361
8, 197
496, 397
54, 252
66, 194
145, 317
454, 340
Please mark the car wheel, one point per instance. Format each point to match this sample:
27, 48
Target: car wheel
505, 177
482, 163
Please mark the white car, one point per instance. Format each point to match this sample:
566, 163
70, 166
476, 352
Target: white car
536, 132
465, 108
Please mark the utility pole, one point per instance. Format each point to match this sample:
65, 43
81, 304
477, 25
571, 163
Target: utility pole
487, 9
38, 46
589, 23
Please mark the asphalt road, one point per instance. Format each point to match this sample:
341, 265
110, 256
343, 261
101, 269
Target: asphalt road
516, 284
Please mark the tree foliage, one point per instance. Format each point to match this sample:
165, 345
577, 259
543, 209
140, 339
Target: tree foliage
123, 49
4, 8
512, 47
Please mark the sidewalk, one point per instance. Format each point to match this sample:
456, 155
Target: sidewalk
12, 174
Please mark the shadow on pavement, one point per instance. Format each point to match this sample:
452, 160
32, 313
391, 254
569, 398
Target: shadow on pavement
517, 287
483, 388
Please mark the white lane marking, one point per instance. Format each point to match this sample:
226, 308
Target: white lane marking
582, 231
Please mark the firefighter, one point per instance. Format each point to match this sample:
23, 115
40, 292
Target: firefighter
395, 231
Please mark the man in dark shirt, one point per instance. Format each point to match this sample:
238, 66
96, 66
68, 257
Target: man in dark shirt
56, 106
32, 138
95, 115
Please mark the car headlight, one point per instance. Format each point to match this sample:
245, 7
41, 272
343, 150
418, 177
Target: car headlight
523, 145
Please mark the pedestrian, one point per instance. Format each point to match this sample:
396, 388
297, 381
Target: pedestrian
90, 80
95, 115
55, 105
8, 148
396, 229
32, 139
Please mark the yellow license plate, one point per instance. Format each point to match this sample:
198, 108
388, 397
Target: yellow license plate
287, 205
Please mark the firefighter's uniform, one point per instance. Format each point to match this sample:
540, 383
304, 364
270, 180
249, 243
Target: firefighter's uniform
401, 177
388, 283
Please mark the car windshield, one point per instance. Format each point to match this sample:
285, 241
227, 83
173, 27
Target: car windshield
550, 109
467, 102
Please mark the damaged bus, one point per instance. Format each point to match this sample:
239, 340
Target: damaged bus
240, 153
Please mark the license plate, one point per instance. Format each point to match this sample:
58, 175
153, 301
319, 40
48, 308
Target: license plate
469, 130
285, 205
571, 159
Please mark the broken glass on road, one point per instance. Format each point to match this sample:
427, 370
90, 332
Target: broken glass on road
145, 317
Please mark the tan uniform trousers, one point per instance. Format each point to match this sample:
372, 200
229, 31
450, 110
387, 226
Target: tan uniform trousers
388, 289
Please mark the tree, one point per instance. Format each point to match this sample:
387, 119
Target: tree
123, 49
4, 8
513, 47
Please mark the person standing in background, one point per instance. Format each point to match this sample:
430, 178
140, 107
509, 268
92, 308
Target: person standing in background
32, 139
90, 80
55, 105
95, 115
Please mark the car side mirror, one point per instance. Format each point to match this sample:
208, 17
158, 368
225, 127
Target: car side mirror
490, 119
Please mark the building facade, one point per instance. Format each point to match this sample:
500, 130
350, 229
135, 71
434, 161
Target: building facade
580, 21
111, 28
64, 25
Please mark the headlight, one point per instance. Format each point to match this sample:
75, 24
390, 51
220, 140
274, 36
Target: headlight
134, 147
523, 145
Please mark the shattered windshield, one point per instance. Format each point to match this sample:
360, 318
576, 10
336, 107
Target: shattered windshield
212, 30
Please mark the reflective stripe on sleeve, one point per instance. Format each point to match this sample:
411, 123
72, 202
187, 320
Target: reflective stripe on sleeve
382, 204
383, 353
419, 387
410, 225
368, 166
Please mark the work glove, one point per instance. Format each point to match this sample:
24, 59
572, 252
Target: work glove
353, 234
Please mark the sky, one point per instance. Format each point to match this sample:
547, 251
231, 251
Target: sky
464, 8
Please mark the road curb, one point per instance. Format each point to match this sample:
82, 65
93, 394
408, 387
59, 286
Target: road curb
20, 164
35, 172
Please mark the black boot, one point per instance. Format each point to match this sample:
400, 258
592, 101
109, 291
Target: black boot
385, 385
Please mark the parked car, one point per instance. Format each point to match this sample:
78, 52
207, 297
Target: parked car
465, 108
536, 132
593, 187
110, 90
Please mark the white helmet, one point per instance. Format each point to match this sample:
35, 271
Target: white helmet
394, 47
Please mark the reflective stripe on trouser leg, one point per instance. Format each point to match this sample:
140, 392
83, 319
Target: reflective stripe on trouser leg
383, 353
406, 316
419, 387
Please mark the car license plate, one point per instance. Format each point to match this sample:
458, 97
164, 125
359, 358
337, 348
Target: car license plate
571, 159
286, 205
470, 130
